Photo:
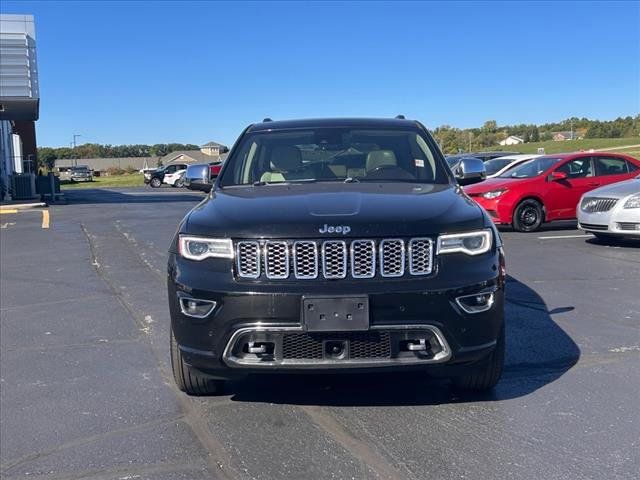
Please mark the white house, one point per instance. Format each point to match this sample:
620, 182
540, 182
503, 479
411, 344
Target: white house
511, 140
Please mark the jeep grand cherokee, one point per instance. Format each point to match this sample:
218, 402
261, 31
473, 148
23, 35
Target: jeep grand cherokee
337, 245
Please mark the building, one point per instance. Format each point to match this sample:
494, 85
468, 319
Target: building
213, 148
209, 152
19, 97
562, 136
511, 140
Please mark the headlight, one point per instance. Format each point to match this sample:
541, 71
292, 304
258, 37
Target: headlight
632, 202
471, 243
199, 248
493, 194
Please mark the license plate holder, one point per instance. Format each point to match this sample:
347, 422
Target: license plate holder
335, 314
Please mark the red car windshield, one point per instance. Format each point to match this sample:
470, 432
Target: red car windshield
532, 168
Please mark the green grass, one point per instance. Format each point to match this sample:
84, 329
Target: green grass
572, 145
127, 180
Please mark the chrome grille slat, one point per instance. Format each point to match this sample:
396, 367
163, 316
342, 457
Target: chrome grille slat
248, 259
420, 256
334, 259
363, 259
305, 260
597, 204
392, 258
276, 260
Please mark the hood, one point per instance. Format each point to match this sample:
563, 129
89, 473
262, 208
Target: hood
617, 190
491, 184
315, 210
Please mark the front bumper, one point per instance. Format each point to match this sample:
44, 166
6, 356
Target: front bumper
498, 209
420, 312
618, 221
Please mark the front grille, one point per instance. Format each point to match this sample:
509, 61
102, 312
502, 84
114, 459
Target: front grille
276, 260
361, 345
305, 263
593, 226
248, 259
392, 258
333, 259
420, 256
595, 204
363, 258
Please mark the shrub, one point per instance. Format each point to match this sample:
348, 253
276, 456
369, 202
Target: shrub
131, 169
114, 171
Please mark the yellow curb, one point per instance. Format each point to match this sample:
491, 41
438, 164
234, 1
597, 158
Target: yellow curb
45, 218
8, 210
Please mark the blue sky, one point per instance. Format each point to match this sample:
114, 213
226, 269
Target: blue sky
156, 72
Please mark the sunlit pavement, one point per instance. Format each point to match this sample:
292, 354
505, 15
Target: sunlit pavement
86, 390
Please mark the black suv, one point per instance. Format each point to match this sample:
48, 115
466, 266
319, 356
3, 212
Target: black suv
337, 245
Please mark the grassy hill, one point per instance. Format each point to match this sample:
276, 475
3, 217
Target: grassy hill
577, 145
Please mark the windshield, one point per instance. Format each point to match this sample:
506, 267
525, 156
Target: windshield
495, 165
532, 168
333, 154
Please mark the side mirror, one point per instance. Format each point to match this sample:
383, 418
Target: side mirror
470, 170
198, 177
557, 176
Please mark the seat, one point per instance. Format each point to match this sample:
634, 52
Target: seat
381, 158
286, 164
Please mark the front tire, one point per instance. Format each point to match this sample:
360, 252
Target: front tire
528, 216
189, 379
155, 182
487, 377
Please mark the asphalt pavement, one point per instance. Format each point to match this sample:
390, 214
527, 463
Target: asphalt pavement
86, 390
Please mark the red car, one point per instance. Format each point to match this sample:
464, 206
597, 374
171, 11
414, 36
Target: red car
549, 188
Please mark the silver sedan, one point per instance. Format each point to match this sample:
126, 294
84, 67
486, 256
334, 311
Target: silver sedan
612, 211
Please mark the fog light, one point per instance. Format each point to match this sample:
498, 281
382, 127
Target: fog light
476, 303
196, 308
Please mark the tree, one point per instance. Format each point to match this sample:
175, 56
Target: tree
46, 157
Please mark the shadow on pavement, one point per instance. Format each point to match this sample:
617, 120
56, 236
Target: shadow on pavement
133, 195
615, 242
559, 226
538, 353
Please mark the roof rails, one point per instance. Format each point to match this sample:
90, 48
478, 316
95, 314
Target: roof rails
267, 120
400, 117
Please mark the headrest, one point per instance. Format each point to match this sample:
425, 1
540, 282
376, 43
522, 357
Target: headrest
286, 158
379, 158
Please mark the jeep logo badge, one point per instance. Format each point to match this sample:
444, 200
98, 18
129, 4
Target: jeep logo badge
343, 229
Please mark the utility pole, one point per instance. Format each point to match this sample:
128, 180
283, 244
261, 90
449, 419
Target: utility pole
75, 135
572, 129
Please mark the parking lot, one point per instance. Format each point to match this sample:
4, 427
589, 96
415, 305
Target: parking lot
87, 390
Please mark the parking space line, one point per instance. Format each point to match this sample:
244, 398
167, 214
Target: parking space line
565, 236
45, 218
7, 210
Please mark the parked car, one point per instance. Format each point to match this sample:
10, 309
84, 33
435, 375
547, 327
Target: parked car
612, 211
79, 173
336, 246
484, 156
549, 188
167, 175
497, 166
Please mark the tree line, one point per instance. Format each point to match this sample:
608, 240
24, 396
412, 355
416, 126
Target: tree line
48, 155
453, 140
